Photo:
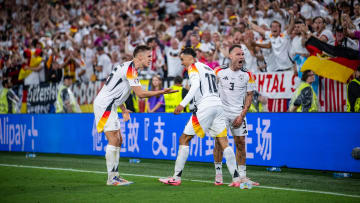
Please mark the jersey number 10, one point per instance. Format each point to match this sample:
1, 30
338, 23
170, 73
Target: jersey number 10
212, 82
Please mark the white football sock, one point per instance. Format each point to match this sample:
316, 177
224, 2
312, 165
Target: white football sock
242, 171
110, 160
117, 159
218, 168
231, 163
181, 160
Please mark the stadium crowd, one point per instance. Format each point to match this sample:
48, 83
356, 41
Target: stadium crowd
49, 40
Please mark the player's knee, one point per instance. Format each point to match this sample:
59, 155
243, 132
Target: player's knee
217, 146
222, 142
240, 141
185, 139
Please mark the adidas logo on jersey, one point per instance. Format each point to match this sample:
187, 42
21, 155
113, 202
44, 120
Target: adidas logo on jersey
226, 78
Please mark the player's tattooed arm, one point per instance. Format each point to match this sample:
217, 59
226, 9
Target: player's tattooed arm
248, 100
239, 120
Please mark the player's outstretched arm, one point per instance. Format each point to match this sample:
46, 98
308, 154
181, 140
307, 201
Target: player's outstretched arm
195, 85
125, 112
144, 94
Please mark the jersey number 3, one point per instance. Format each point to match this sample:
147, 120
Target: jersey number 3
212, 82
232, 86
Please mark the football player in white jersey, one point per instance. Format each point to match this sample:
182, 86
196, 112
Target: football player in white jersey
236, 87
208, 117
114, 93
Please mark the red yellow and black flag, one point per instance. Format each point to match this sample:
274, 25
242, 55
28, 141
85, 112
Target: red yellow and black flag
334, 62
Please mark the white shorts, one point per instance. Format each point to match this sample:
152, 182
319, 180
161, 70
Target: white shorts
240, 131
106, 119
210, 120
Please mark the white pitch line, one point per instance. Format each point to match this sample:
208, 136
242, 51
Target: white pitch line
200, 181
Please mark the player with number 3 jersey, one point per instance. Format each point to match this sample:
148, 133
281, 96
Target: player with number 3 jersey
236, 87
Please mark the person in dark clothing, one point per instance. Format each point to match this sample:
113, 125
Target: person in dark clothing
353, 93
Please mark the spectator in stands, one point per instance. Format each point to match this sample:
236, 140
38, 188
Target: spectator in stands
247, 45
304, 98
206, 42
53, 71
103, 67
157, 62
156, 103
173, 65
298, 52
353, 93
209, 59
342, 40
30, 71
65, 100
280, 42
325, 35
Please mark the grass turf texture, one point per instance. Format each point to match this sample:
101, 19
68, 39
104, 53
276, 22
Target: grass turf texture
42, 185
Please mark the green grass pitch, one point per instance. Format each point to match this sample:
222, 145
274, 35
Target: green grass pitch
72, 178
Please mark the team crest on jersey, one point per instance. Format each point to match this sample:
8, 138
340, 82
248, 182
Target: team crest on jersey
241, 77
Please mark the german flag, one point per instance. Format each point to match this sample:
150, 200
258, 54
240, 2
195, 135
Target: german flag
334, 62
34, 59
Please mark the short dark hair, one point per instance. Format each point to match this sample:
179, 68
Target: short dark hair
34, 42
178, 80
305, 75
188, 51
339, 28
234, 46
68, 77
299, 21
277, 22
4, 82
151, 39
99, 48
140, 48
323, 19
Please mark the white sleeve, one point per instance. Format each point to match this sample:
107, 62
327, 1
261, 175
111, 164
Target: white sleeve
195, 85
267, 35
132, 77
251, 85
108, 67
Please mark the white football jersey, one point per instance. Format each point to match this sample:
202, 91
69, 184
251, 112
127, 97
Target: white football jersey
203, 88
233, 86
117, 87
